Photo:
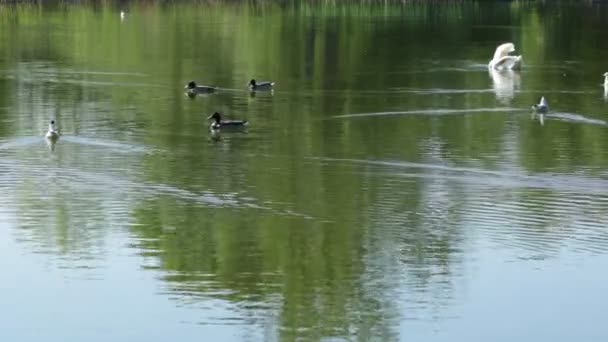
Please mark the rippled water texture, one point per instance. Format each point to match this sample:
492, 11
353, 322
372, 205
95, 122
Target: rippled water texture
389, 188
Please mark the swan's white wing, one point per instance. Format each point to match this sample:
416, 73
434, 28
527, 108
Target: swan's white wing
503, 50
506, 62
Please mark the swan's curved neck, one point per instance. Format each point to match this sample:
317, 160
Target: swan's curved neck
499, 54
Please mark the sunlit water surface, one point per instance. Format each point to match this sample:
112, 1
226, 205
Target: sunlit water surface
389, 188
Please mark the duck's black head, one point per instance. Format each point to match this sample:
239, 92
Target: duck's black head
191, 85
252, 83
215, 116
52, 122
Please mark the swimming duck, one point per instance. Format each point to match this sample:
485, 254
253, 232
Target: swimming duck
542, 107
502, 60
52, 133
194, 89
263, 85
219, 123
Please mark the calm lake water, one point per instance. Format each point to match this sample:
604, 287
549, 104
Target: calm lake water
388, 189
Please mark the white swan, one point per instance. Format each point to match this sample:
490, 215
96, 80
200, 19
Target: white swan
505, 83
502, 60
52, 133
606, 86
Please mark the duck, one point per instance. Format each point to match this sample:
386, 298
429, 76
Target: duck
542, 107
262, 85
219, 123
194, 89
52, 133
502, 60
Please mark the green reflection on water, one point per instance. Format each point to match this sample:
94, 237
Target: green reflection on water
266, 218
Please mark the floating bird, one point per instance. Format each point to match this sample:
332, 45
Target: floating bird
263, 85
52, 133
193, 89
502, 60
219, 123
505, 83
606, 86
542, 107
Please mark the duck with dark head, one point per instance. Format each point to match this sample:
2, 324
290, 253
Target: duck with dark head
260, 86
218, 123
193, 89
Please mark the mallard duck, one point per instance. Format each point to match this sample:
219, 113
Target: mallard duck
52, 133
502, 60
192, 88
262, 85
219, 123
542, 107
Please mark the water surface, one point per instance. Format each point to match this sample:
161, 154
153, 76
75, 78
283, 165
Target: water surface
390, 188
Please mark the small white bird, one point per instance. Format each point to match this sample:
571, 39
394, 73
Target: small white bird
52, 133
540, 110
122, 15
606, 86
502, 60
542, 107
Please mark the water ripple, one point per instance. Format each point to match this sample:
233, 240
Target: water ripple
562, 182
576, 118
532, 216
444, 111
